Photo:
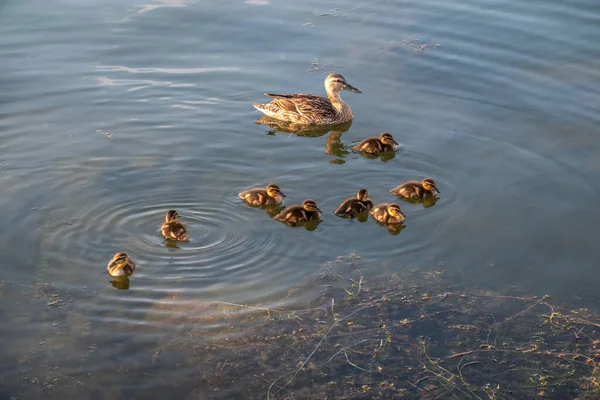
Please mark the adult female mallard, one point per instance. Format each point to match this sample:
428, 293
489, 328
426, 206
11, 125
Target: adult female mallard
120, 265
308, 109
308, 211
416, 189
355, 205
377, 145
388, 213
173, 228
270, 195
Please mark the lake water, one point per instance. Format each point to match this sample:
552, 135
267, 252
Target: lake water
112, 112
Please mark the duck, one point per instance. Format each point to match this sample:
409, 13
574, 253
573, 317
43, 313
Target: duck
173, 228
120, 265
355, 205
377, 145
270, 195
388, 213
308, 211
307, 109
416, 189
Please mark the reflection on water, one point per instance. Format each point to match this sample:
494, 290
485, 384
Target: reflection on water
385, 156
309, 225
393, 229
120, 283
427, 202
333, 147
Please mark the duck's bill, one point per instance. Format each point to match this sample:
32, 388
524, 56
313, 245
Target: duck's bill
282, 194
105, 272
437, 190
319, 210
352, 88
401, 213
396, 143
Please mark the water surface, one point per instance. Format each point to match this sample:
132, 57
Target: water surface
113, 112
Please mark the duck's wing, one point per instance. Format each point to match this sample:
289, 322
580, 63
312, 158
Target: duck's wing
344, 208
366, 143
302, 103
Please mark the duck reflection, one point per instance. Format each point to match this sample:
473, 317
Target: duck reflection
427, 202
121, 283
333, 147
394, 229
385, 157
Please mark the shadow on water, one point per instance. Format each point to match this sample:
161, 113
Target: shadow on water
333, 147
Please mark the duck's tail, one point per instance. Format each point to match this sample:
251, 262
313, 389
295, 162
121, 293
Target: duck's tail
264, 109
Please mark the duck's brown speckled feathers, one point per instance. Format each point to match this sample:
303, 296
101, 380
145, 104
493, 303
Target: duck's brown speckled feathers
173, 228
120, 265
302, 108
377, 145
388, 213
270, 195
308, 211
355, 205
416, 189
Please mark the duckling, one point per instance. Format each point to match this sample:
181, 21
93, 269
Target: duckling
355, 205
120, 265
416, 190
307, 109
377, 145
263, 197
388, 213
173, 228
308, 211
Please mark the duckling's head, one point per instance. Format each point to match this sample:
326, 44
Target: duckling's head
119, 260
362, 195
394, 210
387, 138
172, 216
336, 83
429, 184
274, 191
311, 206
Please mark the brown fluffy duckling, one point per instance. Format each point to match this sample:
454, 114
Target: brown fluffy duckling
377, 145
120, 265
308, 211
416, 189
173, 228
388, 213
355, 205
270, 195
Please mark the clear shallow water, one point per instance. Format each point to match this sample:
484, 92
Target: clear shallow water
113, 112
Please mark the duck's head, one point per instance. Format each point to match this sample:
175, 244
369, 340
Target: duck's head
274, 191
387, 138
118, 261
394, 210
429, 184
311, 206
172, 216
336, 83
362, 195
